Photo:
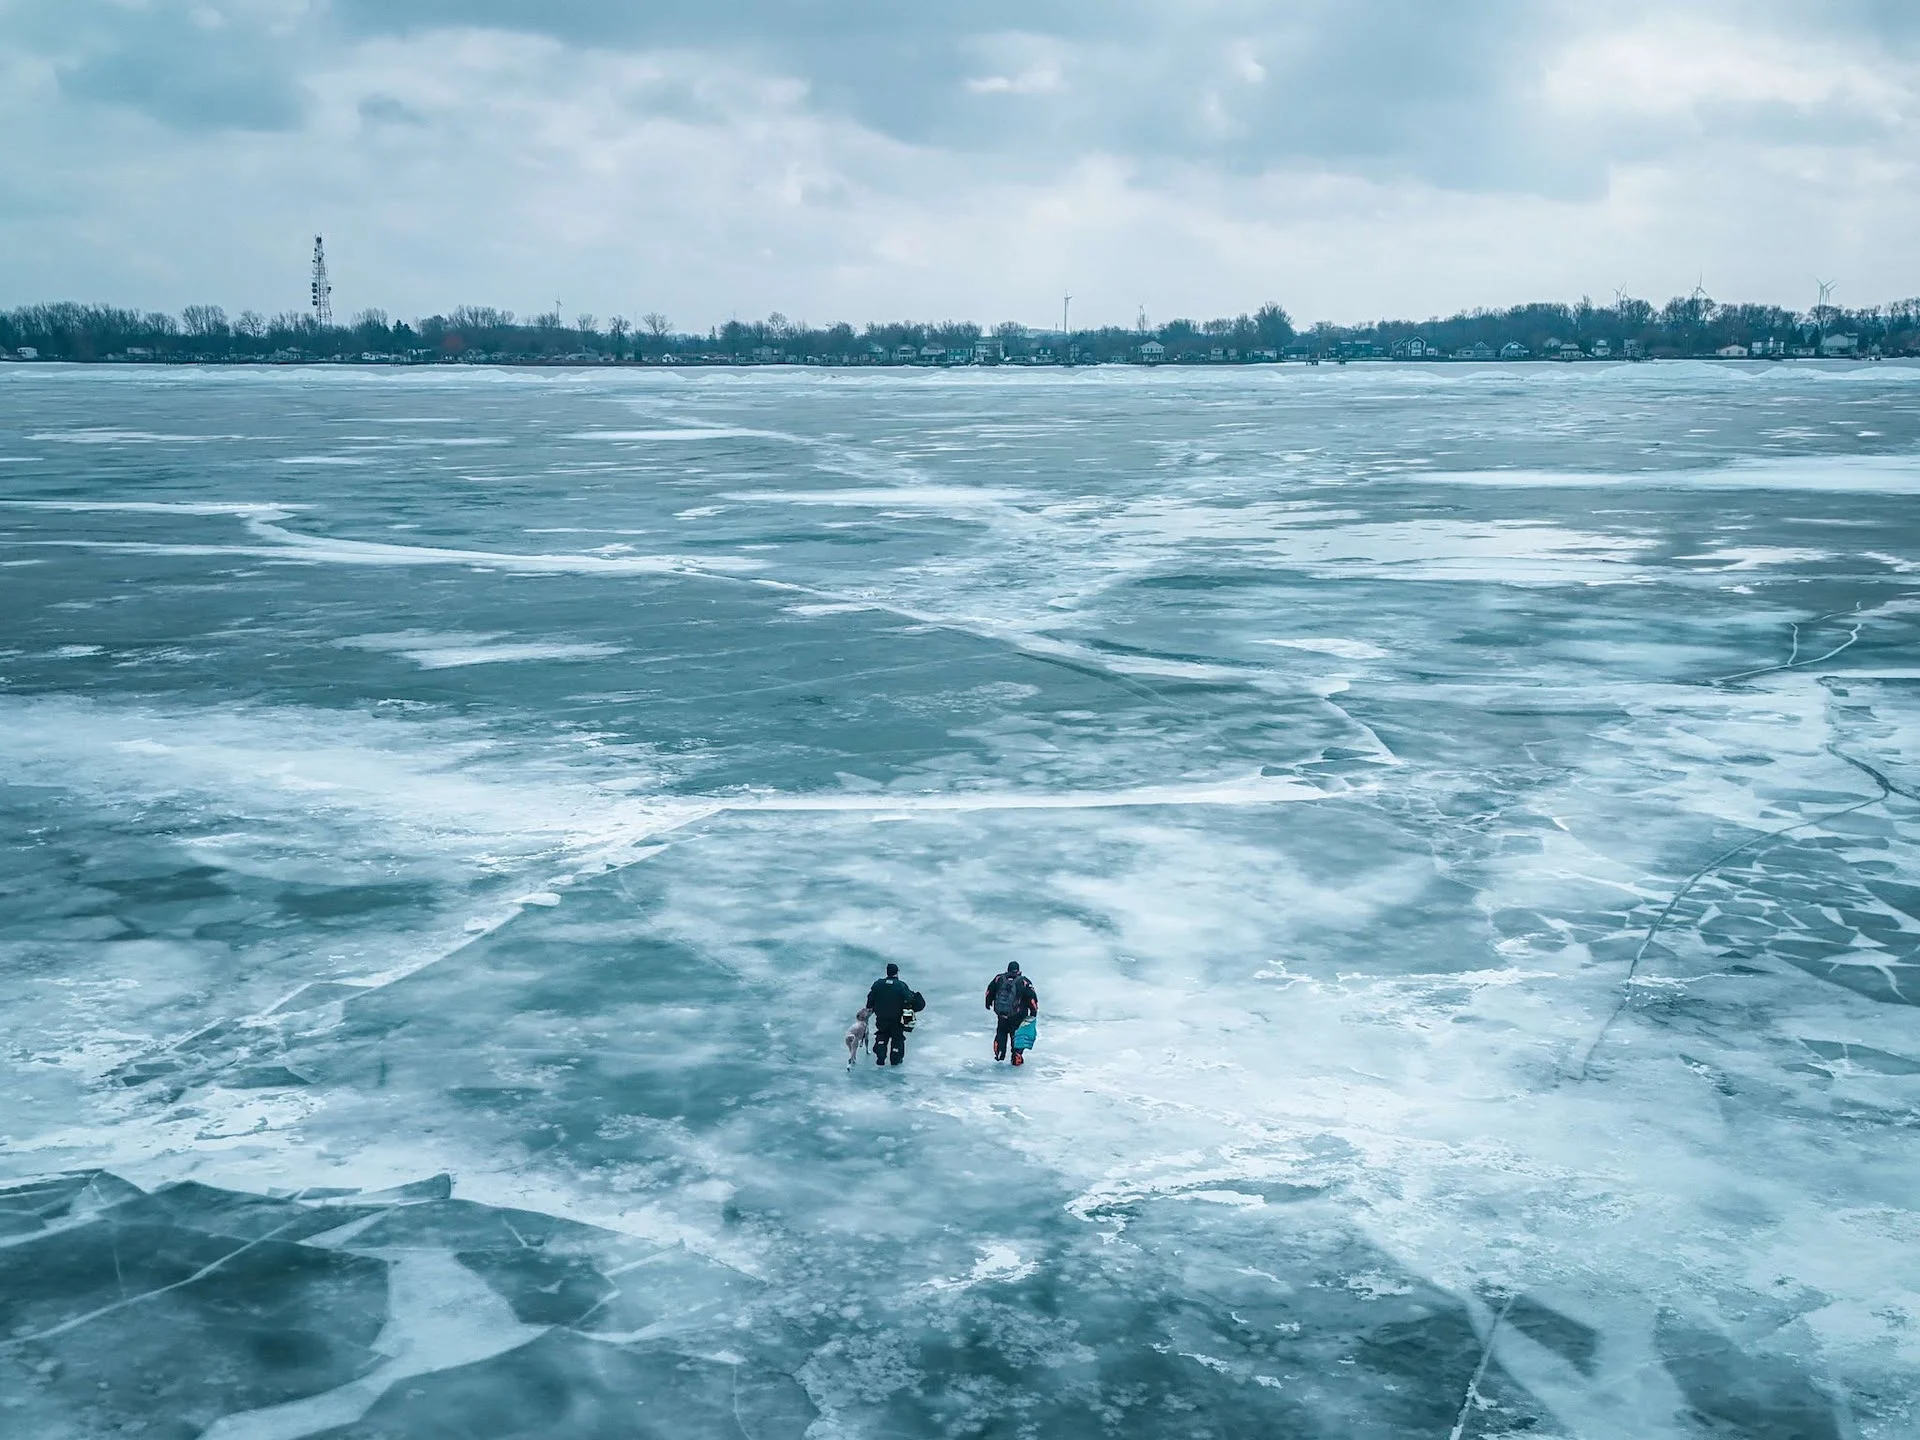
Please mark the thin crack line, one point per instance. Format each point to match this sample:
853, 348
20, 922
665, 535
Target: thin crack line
1758, 841
77, 1321
1793, 660
1479, 1373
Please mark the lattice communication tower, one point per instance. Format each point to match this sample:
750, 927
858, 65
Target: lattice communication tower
322, 290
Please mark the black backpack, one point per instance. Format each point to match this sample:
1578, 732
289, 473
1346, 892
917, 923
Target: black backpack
1008, 1001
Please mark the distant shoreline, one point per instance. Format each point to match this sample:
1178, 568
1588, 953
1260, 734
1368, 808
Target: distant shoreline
1691, 327
1743, 362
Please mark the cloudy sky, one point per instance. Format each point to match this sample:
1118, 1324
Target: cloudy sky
866, 159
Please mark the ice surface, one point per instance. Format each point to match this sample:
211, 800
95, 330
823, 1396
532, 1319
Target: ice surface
1461, 825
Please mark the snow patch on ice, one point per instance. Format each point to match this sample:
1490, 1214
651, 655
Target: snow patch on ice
999, 1263
703, 432
1332, 645
453, 650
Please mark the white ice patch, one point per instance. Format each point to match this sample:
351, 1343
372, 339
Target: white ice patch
829, 607
286, 544
432, 651
704, 432
103, 435
1332, 645
439, 1315
905, 497
999, 1263
246, 509
1833, 474
346, 460
1753, 557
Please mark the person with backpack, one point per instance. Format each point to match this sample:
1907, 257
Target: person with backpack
894, 1004
1013, 1001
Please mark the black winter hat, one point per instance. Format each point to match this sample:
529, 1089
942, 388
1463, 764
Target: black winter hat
892, 970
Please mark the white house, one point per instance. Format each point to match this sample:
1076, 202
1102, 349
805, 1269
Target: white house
1839, 344
1514, 350
1152, 353
1602, 350
27, 352
1732, 352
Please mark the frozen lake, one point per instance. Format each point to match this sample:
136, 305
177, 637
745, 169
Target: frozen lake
1461, 823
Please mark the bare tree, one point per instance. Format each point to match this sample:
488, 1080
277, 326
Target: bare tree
250, 324
583, 323
657, 324
204, 320
618, 327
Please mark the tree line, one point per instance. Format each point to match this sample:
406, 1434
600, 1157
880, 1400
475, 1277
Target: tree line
1685, 326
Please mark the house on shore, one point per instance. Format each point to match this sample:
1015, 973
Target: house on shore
1514, 350
1413, 348
1152, 353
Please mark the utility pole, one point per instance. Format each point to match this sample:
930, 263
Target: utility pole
322, 290
1066, 334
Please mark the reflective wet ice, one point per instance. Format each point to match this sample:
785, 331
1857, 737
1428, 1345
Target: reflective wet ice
1460, 824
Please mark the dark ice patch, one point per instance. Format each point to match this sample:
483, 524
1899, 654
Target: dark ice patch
465, 1225
563, 1386
262, 1077
30, 1207
333, 902
1904, 898
214, 1211
542, 1289
108, 1326
672, 1289
1730, 1393
1430, 1360
317, 994
1577, 1344
1889, 981
434, 1187
1865, 1057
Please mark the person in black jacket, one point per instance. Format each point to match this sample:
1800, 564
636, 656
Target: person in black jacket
891, 1000
1011, 998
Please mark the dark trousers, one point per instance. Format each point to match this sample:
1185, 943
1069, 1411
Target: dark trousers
889, 1045
1003, 1033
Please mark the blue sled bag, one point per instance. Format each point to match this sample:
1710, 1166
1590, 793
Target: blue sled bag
1024, 1037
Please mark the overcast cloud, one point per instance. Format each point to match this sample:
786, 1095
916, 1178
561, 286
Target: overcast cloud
865, 159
